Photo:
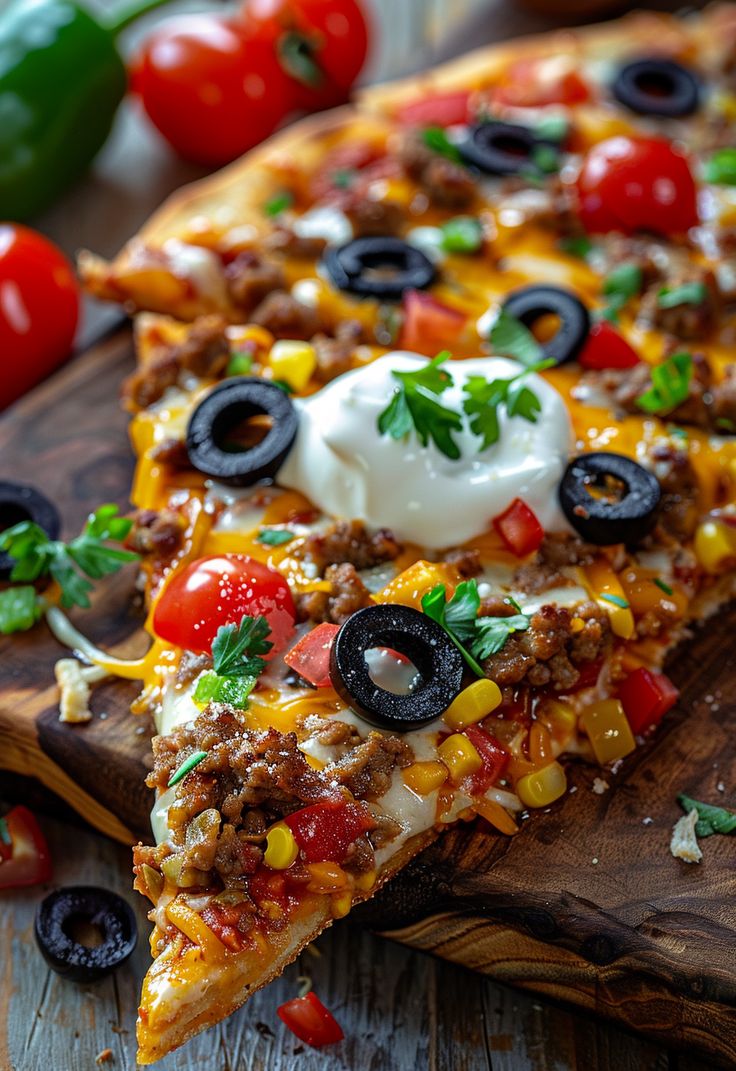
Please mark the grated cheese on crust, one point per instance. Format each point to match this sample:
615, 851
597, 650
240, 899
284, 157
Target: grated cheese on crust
74, 682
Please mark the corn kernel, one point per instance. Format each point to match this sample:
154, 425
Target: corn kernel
293, 361
715, 545
577, 624
365, 881
605, 587
459, 756
424, 777
281, 847
326, 878
473, 704
542, 787
608, 730
340, 904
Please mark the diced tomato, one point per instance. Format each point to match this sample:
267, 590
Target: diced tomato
495, 760
636, 184
325, 831
534, 83
441, 109
606, 348
308, 1018
519, 528
223, 920
267, 885
646, 697
589, 674
429, 326
310, 658
24, 853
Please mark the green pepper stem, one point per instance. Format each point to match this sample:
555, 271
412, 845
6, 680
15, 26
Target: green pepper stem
128, 13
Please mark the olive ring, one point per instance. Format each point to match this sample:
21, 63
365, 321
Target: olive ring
411, 633
20, 502
378, 267
101, 909
657, 86
502, 148
599, 520
224, 408
531, 303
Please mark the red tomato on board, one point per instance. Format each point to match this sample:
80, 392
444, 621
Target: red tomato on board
209, 88
320, 44
631, 184
534, 83
216, 591
39, 309
24, 854
606, 348
442, 109
429, 326
519, 528
308, 1018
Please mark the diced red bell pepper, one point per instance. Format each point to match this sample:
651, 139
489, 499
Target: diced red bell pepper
441, 109
24, 853
308, 1018
606, 348
519, 528
646, 697
267, 885
310, 658
429, 326
325, 831
495, 760
535, 83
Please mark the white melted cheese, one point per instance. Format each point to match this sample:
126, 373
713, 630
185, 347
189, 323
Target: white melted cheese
344, 465
201, 266
324, 221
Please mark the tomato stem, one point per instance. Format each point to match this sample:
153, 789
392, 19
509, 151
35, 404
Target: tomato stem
297, 57
128, 14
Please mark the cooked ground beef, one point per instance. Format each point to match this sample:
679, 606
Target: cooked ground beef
156, 532
250, 278
348, 594
386, 830
678, 507
689, 321
376, 217
446, 183
285, 317
172, 452
366, 770
723, 407
544, 572
330, 731
350, 541
190, 666
204, 352
284, 240
334, 355
467, 562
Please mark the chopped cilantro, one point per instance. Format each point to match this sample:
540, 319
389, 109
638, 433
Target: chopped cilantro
663, 586
275, 537
687, 294
545, 159
710, 819
511, 338
483, 399
240, 363
617, 600
283, 385
343, 178
236, 649
416, 405
212, 688
552, 128
721, 168
19, 609
278, 203
492, 633
186, 767
435, 138
462, 234
619, 286
577, 246
457, 617
670, 384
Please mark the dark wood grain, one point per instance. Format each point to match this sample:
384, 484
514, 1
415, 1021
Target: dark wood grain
585, 905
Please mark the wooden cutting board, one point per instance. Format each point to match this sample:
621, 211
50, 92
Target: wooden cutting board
585, 905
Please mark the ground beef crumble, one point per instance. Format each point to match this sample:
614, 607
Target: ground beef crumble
156, 533
351, 542
446, 183
348, 594
204, 353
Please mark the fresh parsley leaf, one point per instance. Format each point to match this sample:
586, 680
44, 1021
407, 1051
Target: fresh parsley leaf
617, 600
236, 649
710, 819
19, 609
212, 688
552, 128
545, 159
687, 294
522, 401
278, 203
725, 424
483, 399
462, 234
511, 338
186, 767
435, 138
457, 617
721, 168
240, 363
274, 537
670, 384
663, 586
492, 633
416, 404
622, 284
283, 385
576, 246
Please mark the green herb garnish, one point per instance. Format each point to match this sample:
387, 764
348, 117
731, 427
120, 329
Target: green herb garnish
622, 284
687, 294
435, 138
545, 159
278, 203
343, 178
274, 537
552, 128
710, 819
484, 398
20, 609
284, 386
462, 234
457, 617
511, 338
186, 767
617, 600
5, 832
234, 691
492, 633
663, 586
670, 384
416, 405
579, 246
237, 649
240, 363
721, 168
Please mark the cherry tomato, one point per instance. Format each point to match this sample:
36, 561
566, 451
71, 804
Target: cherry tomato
429, 326
519, 528
211, 592
24, 854
212, 91
606, 348
308, 1018
534, 83
310, 658
441, 109
39, 309
630, 184
321, 44
325, 831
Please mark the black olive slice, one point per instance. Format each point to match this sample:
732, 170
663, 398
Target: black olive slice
64, 916
379, 267
411, 633
609, 517
531, 303
502, 148
225, 408
19, 502
653, 85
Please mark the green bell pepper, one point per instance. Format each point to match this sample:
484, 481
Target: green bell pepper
61, 81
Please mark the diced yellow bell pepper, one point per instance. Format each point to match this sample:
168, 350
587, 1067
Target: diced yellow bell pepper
459, 756
365, 881
281, 847
424, 777
559, 717
715, 545
409, 587
608, 730
473, 704
542, 787
605, 588
293, 361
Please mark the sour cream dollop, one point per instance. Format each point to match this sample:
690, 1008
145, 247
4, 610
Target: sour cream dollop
344, 465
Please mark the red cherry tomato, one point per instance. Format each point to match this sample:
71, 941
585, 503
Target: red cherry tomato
519, 528
212, 91
606, 348
631, 184
429, 326
534, 83
308, 1018
321, 44
442, 109
211, 592
646, 697
310, 658
325, 831
24, 854
39, 309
